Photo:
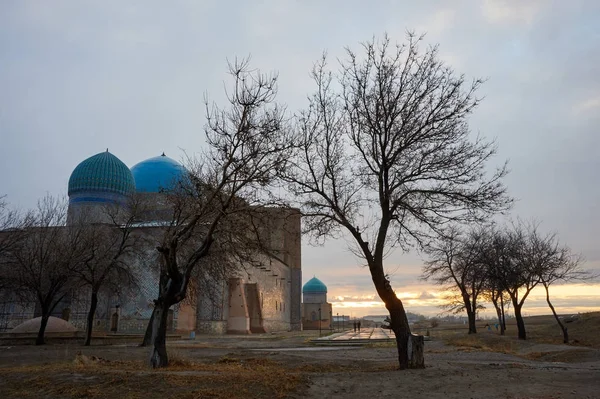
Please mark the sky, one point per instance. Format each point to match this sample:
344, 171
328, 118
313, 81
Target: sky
77, 77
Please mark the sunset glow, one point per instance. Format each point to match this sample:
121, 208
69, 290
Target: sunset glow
427, 299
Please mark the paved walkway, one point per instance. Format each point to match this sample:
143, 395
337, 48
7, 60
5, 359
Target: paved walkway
364, 334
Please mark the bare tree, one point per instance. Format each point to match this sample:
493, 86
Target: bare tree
387, 157
455, 262
41, 268
247, 148
109, 259
494, 293
517, 256
12, 228
560, 265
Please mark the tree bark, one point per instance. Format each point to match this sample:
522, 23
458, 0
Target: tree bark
562, 326
399, 324
416, 348
40, 337
520, 322
470, 313
472, 325
499, 314
158, 356
503, 322
90, 318
148, 334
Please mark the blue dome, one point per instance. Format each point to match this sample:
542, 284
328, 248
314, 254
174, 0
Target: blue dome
102, 173
314, 286
157, 174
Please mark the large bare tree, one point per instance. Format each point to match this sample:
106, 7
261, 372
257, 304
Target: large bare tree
247, 148
386, 156
110, 254
40, 269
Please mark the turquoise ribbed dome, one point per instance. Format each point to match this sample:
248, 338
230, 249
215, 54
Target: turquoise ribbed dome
314, 286
103, 173
157, 174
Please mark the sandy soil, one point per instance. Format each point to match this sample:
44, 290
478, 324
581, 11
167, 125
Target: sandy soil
458, 374
353, 372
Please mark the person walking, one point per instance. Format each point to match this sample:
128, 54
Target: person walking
359, 326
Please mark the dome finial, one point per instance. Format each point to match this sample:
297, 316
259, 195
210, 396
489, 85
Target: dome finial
107, 149
163, 154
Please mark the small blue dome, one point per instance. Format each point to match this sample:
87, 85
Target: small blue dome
102, 173
314, 286
157, 174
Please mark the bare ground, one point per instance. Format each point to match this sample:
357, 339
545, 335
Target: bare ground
285, 365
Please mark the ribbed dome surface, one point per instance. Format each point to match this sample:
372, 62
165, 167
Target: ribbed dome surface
314, 286
157, 174
102, 172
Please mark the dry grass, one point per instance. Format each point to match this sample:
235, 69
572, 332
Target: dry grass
540, 330
226, 378
568, 356
582, 332
238, 376
387, 344
483, 343
231, 376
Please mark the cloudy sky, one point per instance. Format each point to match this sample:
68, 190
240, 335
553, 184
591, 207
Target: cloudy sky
77, 77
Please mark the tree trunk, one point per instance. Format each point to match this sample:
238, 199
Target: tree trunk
409, 355
472, 325
90, 318
470, 313
148, 334
520, 321
562, 326
399, 324
498, 314
416, 348
40, 337
398, 320
158, 356
503, 321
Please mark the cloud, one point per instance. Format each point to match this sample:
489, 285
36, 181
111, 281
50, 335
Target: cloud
427, 299
441, 21
512, 11
589, 105
363, 298
426, 295
79, 78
